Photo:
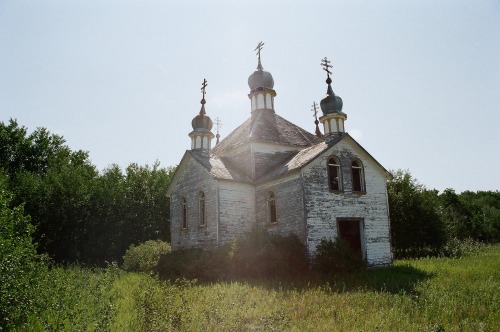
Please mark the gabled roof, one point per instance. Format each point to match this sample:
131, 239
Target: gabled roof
307, 155
266, 126
219, 169
214, 165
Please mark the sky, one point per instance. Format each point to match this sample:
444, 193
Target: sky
420, 80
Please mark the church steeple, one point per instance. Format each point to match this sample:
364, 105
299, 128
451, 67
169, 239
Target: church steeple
261, 85
201, 136
333, 118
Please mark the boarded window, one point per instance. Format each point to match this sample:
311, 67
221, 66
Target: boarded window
201, 207
271, 207
334, 174
357, 176
184, 212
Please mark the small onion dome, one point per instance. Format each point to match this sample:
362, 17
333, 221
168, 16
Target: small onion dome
260, 79
331, 103
202, 121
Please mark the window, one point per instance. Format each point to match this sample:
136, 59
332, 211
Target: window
334, 180
271, 207
184, 213
201, 207
357, 176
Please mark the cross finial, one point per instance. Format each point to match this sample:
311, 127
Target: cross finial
315, 110
325, 63
203, 87
218, 124
259, 48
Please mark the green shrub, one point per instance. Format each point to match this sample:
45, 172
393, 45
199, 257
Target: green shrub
456, 248
144, 257
21, 268
334, 257
254, 255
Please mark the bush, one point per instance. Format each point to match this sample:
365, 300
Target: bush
254, 255
456, 248
334, 257
144, 257
21, 268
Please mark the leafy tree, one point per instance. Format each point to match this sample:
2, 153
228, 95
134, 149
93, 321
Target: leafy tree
415, 223
20, 152
20, 265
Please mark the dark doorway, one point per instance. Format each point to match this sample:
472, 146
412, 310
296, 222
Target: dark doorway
350, 232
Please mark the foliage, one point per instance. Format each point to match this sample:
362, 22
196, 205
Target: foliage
414, 295
75, 299
82, 215
426, 223
254, 255
20, 265
415, 223
334, 257
144, 257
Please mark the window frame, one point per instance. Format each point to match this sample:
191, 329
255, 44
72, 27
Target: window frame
272, 209
360, 178
202, 209
338, 167
184, 213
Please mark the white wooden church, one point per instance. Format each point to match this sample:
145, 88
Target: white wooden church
271, 172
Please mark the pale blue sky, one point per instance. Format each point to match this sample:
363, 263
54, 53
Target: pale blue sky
420, 80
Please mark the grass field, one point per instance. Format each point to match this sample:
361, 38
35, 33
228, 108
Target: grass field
433, 294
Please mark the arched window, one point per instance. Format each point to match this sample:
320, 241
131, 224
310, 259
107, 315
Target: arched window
334, 180
184, 213
358, 181
271, 207
201, 207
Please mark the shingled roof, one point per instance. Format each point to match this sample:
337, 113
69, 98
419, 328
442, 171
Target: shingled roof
265, 126
301, 159
218, 169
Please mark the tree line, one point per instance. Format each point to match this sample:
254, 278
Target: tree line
425, 222
88, 216
81, 214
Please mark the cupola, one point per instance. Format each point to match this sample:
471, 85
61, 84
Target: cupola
333, 118
201, 136
261, 85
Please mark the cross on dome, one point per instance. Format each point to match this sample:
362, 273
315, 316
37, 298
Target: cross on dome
203, 88
325, 63
259, 48
315, 110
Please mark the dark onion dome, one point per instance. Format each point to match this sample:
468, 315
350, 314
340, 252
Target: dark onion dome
260, 79
202, 121
331, 103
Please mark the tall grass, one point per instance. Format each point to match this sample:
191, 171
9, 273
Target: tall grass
431, 294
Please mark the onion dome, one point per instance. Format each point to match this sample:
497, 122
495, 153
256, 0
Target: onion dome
260, 79
202, 121
331, 103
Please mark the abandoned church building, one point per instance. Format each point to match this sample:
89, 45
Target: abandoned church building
272, 173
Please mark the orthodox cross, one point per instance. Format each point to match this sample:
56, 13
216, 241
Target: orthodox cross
218, 124
315, 110
203, 87
259, 48
326, 65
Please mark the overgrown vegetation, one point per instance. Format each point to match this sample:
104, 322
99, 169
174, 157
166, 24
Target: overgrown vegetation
145, 256
81, 215
431, 294
254, 255
335, 257
426, 223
